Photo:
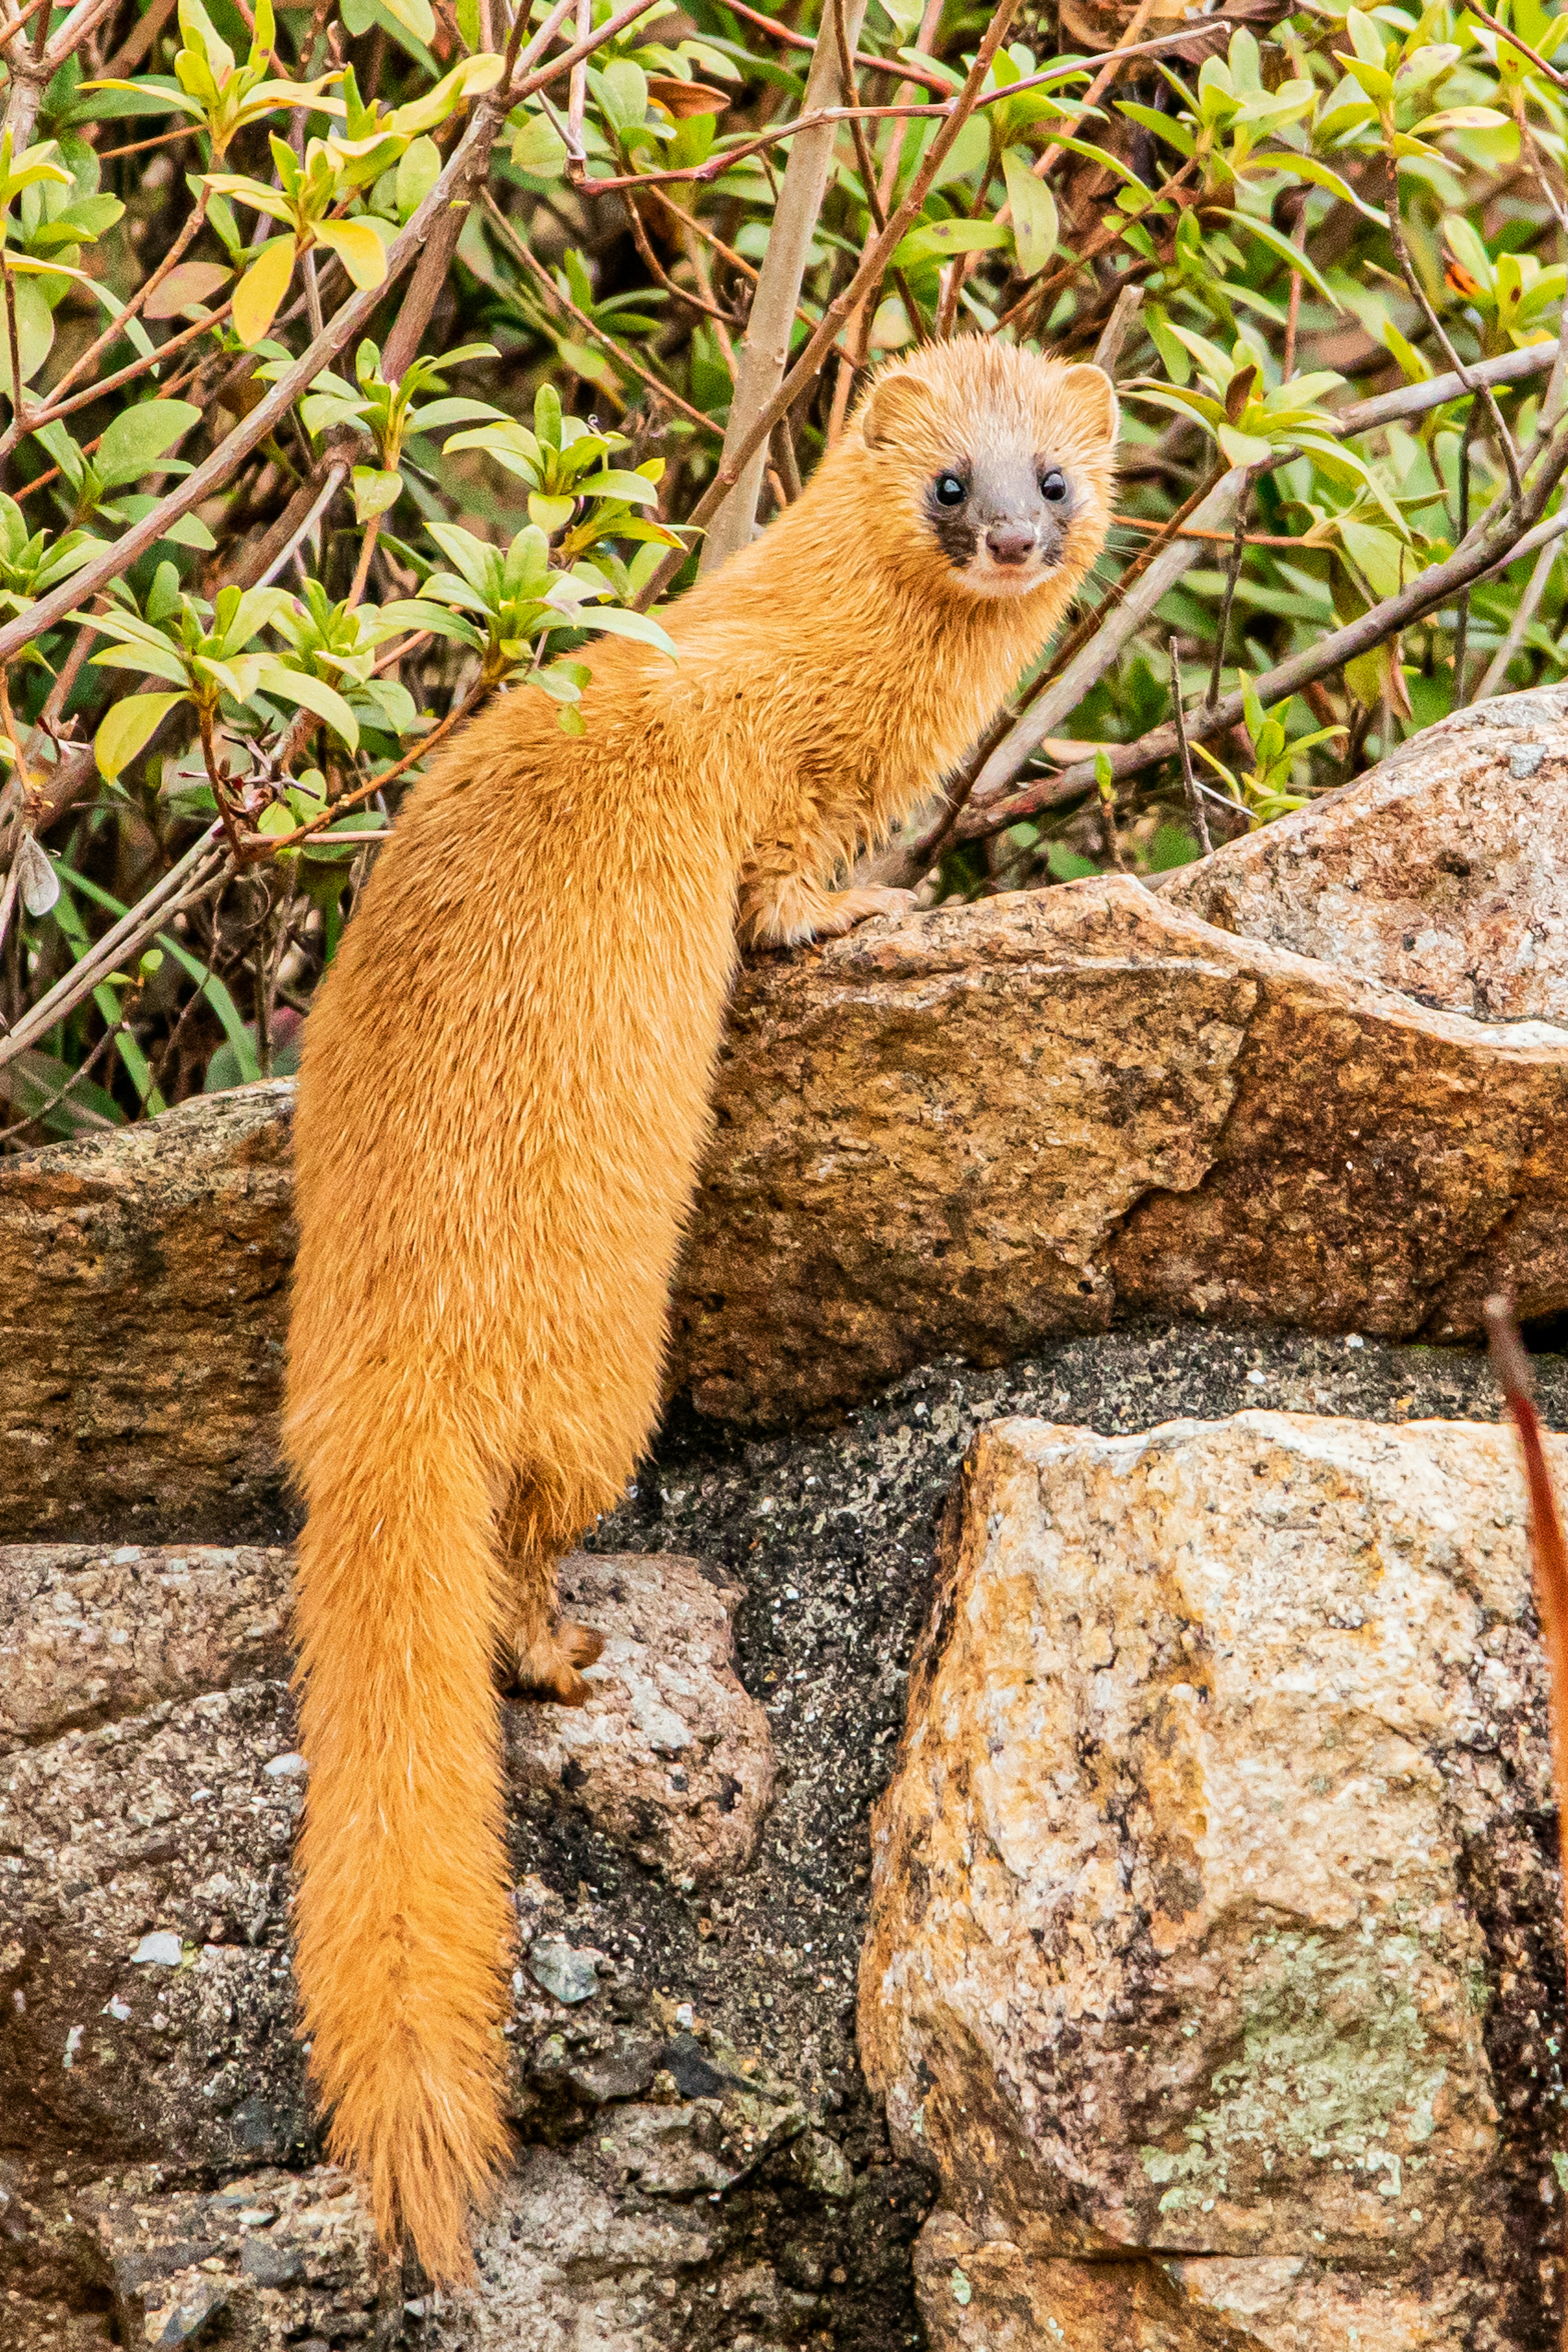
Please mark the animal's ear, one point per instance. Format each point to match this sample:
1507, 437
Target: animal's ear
892, 409
1093, 395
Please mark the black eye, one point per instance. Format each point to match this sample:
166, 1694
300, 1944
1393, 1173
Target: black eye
1053, 485
950, 490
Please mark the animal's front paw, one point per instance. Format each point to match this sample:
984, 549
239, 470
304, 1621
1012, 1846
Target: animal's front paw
848, 907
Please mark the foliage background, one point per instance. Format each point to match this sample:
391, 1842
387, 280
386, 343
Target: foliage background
309, 457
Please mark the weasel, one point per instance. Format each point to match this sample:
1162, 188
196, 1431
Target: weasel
502, 1110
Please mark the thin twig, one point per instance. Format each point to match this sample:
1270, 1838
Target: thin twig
645, 374
1467, 376
1232, 574
1189, 778
869, 273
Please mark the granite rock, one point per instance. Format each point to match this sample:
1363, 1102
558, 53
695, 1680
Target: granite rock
670, 1756
1443, 872
955, 1134
1197, 1895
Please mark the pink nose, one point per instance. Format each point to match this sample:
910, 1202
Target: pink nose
1010, 543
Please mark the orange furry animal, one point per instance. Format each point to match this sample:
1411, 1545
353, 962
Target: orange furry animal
502, 1110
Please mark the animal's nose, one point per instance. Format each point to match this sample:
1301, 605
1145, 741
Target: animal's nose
1010, 543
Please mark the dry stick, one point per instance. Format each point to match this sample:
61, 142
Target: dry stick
645, 374
131, 50
869, 273
1524, 611
1494, 542
1188, 779
190, 230
1232, 574
180, 884
1463, 620
858, 330
1293, 310
1117, 327
765, 353
142, 366
1548, 1546
10, 32
694, 302
1044, 161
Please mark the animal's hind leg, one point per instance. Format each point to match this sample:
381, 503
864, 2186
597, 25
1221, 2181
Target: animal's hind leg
543, 1651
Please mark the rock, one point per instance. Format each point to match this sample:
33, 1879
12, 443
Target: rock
144, 1284
570, 1976
270, 2259
743, 1981
670, 1755
89, 1634
1219, 1833
1444, 872
148, 1855
953, 1135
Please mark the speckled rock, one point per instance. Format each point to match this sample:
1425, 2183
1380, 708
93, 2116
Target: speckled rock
1444, 872
143, 1290
670, 1756
1184, 1939
953, 1135
88, 1633
149, 1804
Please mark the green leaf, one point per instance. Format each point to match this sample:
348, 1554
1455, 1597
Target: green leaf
357, 246
623, 93
158, 660
416, 16
260, 292
538, 148
618, 624
375, 493
127, 728
417, 173
135, 439
296, 686
1036, 231
34, 332
1294, 257
940, 240
1242, 448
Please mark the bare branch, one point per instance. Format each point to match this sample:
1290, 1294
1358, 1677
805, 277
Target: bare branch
765, 353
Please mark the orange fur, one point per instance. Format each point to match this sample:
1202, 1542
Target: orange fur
502, 1108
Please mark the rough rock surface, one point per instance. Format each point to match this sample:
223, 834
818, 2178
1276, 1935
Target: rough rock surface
624, 2100
1220, 1829
671, 1758
1444, 872
960, 1133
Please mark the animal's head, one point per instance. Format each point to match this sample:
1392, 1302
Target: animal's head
995, 466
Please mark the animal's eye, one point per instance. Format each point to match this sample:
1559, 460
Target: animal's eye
950, 490
1053, 485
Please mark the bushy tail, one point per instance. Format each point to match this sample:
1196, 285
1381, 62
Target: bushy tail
403, 1920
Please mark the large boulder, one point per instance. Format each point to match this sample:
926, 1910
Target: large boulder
698, 2162
1443, 872
1214, 1942
958, 1134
